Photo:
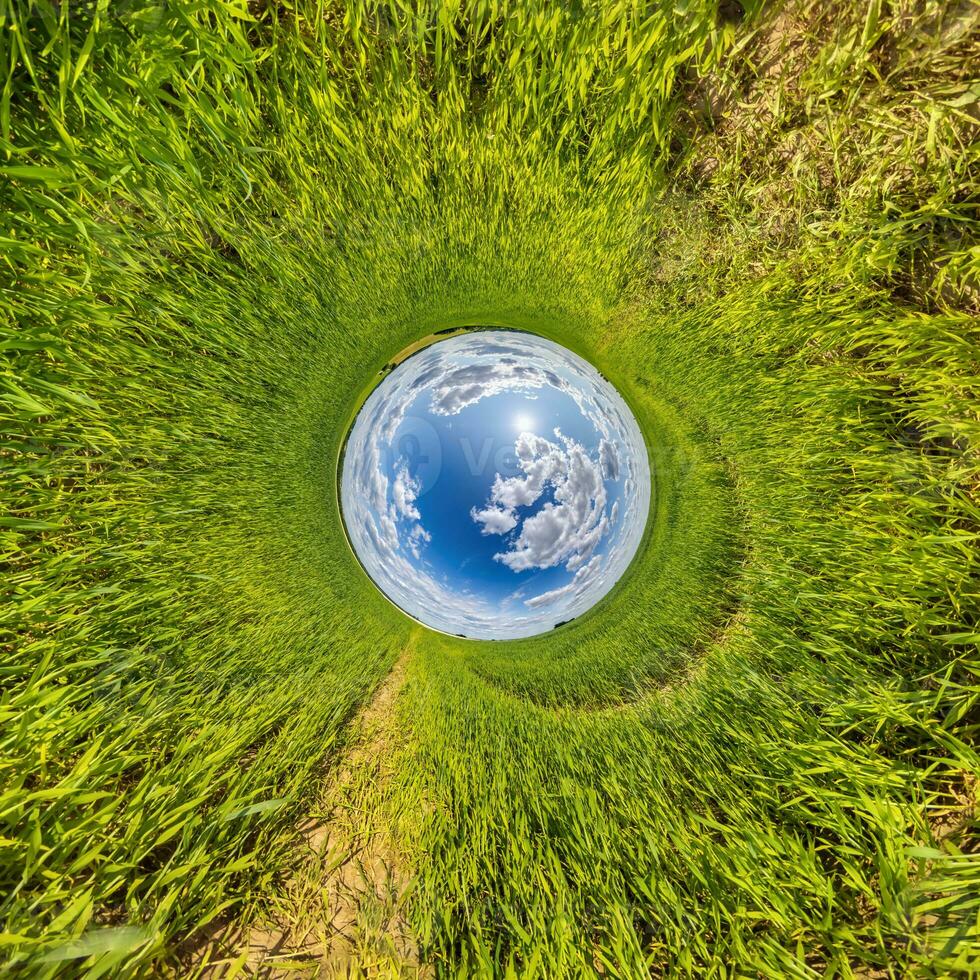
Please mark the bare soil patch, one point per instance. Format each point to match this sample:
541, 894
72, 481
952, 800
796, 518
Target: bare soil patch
341, 912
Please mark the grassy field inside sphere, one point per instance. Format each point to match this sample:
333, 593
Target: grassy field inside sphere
224, 753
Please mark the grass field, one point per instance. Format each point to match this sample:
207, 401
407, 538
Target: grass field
758, 756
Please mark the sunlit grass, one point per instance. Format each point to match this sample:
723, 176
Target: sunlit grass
758, 754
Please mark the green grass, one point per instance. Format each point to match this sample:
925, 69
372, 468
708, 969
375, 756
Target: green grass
757, 757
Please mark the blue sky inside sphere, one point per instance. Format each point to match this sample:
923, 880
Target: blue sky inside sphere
495, 485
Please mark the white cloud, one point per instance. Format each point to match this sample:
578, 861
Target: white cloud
465, 386
416, 538
565, 531
389, 530
584, 578
609, 460
495, 520
405, 491
542, 463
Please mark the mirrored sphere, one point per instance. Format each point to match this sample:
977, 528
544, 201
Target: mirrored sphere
494, 485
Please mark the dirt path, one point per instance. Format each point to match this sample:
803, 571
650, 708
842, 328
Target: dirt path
340, 914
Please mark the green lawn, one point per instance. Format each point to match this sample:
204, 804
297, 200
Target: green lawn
757, 756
